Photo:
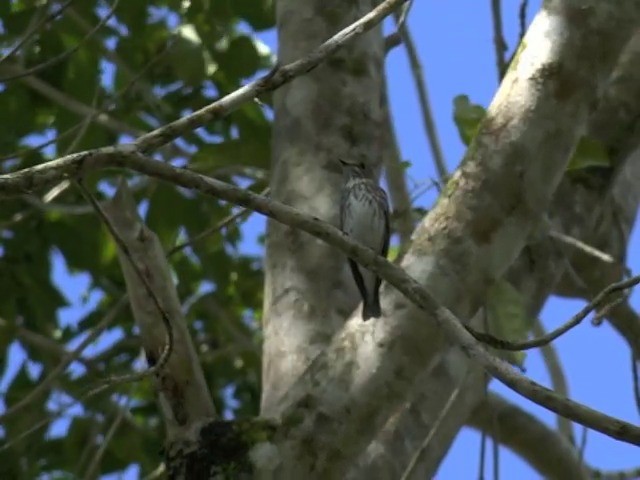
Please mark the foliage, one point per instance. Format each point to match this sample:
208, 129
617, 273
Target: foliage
151, 63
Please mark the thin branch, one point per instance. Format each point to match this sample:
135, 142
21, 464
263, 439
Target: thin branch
425, 444
629, 474
496, 452
36, 28
38, 425
240, 215
604, 311
91, 115
66, 54
45, 344
542, 447
583, 443
558, 380
636, 383
483, 435
580, 245
72, 356
499, 42
166, 321
482, 455
84, 124
403, 15
595, 304
395, 173
92, 469
423, 99
271, 81
143, 88
522, 19
71, 104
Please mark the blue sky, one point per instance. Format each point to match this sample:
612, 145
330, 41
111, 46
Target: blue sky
455, 42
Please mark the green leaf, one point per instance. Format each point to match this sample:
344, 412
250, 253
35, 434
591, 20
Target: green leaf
589, 153
467, 117
187, 57
260, 14
508, 317
241, 59
393, 252
250, 152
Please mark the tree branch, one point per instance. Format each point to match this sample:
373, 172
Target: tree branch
396, 179
273, 80
598, 302
544, 449
43, 386
185, 398
428, 121
393, 274
499, 42
558, 380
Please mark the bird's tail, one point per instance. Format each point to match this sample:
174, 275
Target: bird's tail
371, 307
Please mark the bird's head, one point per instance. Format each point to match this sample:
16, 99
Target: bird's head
353, 168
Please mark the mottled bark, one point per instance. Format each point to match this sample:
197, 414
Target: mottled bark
183, 396
333, 112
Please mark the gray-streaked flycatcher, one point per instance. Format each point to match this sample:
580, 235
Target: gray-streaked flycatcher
364, 216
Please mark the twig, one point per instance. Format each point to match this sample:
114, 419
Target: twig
92, 469
42, 386
38, 425
558, 379
575, 320
436, 425
134, 76
281, 75
483, 433
604, 311
44, 343
168, 347
522, 18
58, 58
630, 474
401, 218
496, 452
70, 103
542, 447
36, 28
583, 442
403, 15
634, 376
225, 222
483, 448
157, 473
423, 98
499, 42
580, 245
84, 125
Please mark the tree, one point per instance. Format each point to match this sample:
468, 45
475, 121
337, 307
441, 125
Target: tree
135, 154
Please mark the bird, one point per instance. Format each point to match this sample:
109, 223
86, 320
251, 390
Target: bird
364, 217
